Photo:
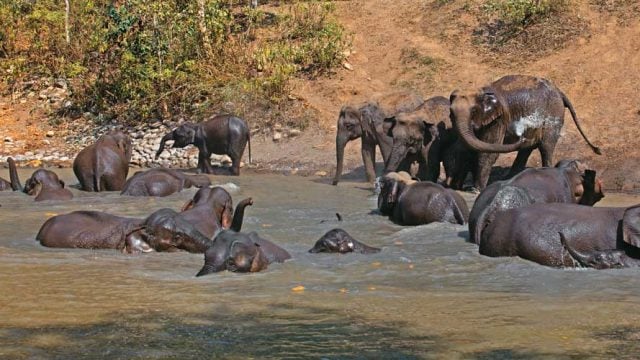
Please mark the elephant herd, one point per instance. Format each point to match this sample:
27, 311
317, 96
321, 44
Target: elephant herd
545, 215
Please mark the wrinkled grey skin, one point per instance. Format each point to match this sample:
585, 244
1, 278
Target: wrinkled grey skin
366, 121
424, 135
221, 134
568, 182
532, 232
241, 252
162, 182
421, 203
14, 183
104, 165
45, 185
609, 259
515, 113
339, 241
210, 210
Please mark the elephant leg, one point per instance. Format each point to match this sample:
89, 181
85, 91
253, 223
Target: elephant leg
386, 144
369, 159
235, 156
204, 162
520, 163
483, 169
546, 153
433, 162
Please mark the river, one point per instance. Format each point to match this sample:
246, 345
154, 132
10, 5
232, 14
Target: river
427, 294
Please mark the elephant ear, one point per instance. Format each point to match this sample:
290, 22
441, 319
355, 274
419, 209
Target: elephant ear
631, 226
592, 188
490, 106
453, 96
188, 205
260, 261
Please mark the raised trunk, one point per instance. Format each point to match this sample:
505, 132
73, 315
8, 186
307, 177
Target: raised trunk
13, 175
469, 138
169, 136
238, 215
341, 142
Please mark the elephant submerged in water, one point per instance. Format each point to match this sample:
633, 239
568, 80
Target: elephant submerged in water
104, 165
42, 184
410, 202
366, 121
566, 235
221, 134
568, 182
339, 241
514, 113
162, 182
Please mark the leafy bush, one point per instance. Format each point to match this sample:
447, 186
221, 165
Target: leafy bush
521, 12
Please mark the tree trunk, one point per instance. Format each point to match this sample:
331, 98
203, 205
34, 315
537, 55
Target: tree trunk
202, 26
66, 21
253, 4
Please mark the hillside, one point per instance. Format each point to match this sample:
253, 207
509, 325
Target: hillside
590, 50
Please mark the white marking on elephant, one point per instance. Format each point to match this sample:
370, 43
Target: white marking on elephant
535, 120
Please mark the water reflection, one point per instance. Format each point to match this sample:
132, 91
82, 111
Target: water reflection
428, 293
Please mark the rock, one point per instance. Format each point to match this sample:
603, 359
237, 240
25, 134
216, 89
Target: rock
277, 136
29, 153
60, 83
225, 159
8, 139
294, 132
347, 66
64, 158
49, 133
320, 173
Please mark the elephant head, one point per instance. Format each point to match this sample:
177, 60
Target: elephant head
216, 199
349, 128
182, 136
198, 181
391, 187
235, 252
339, 241
410, 135
123, 142
42, 178
166, 231
631, 226
470, 113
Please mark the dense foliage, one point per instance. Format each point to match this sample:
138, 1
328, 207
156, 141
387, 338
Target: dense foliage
141, 59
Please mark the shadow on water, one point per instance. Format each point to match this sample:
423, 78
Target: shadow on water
280, 331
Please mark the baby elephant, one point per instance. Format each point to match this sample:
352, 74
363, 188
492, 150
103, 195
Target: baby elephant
339, 241
410, 202
45, 185
162, 182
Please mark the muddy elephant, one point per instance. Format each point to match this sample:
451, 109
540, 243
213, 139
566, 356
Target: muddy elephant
423, 135
569, 182
365, 121
339, 241
45, 185
14, 181
221, 134
104, 165
515, 113
410, 202
533, 233
162, 182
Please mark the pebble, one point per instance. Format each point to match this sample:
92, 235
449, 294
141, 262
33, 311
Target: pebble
50, 133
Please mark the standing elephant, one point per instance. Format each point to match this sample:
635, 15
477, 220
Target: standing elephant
221, 134
535, 233
45, 185
14, 183
162, 182
104, 166
409, 202
515, 113
568, 182
366, 121
424, 135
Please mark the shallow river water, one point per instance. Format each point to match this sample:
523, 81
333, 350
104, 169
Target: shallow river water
427, 294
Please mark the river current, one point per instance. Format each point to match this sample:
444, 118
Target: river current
427, 294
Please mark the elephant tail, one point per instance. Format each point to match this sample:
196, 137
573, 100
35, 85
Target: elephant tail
13, 175
569, 106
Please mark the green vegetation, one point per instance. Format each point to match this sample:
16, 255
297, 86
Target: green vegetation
521, 12
143, 59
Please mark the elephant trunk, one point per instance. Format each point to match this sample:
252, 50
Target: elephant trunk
341, 142
463, 127
13, 175
398, 153
238, 215
169, 136
194, 241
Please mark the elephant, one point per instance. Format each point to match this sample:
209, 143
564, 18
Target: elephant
424, 135
365, 121
221, 134
210, 210
14, 183
104, 165
163, 230
533, 232
339, 241
410, 202
514, 113
45, 185
609, 259
161, 182
568, 182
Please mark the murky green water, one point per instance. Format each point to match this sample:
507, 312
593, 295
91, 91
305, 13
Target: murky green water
428, 294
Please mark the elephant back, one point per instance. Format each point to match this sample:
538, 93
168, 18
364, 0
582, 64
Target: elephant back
399, 101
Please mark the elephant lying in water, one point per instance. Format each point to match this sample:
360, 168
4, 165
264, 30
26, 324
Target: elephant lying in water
569, 182
339, 241
409, 202
43, 184
596, 236
162, 182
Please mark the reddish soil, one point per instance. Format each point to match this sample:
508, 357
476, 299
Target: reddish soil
429, 47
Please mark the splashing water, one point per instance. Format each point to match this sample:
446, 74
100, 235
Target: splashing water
535, 120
